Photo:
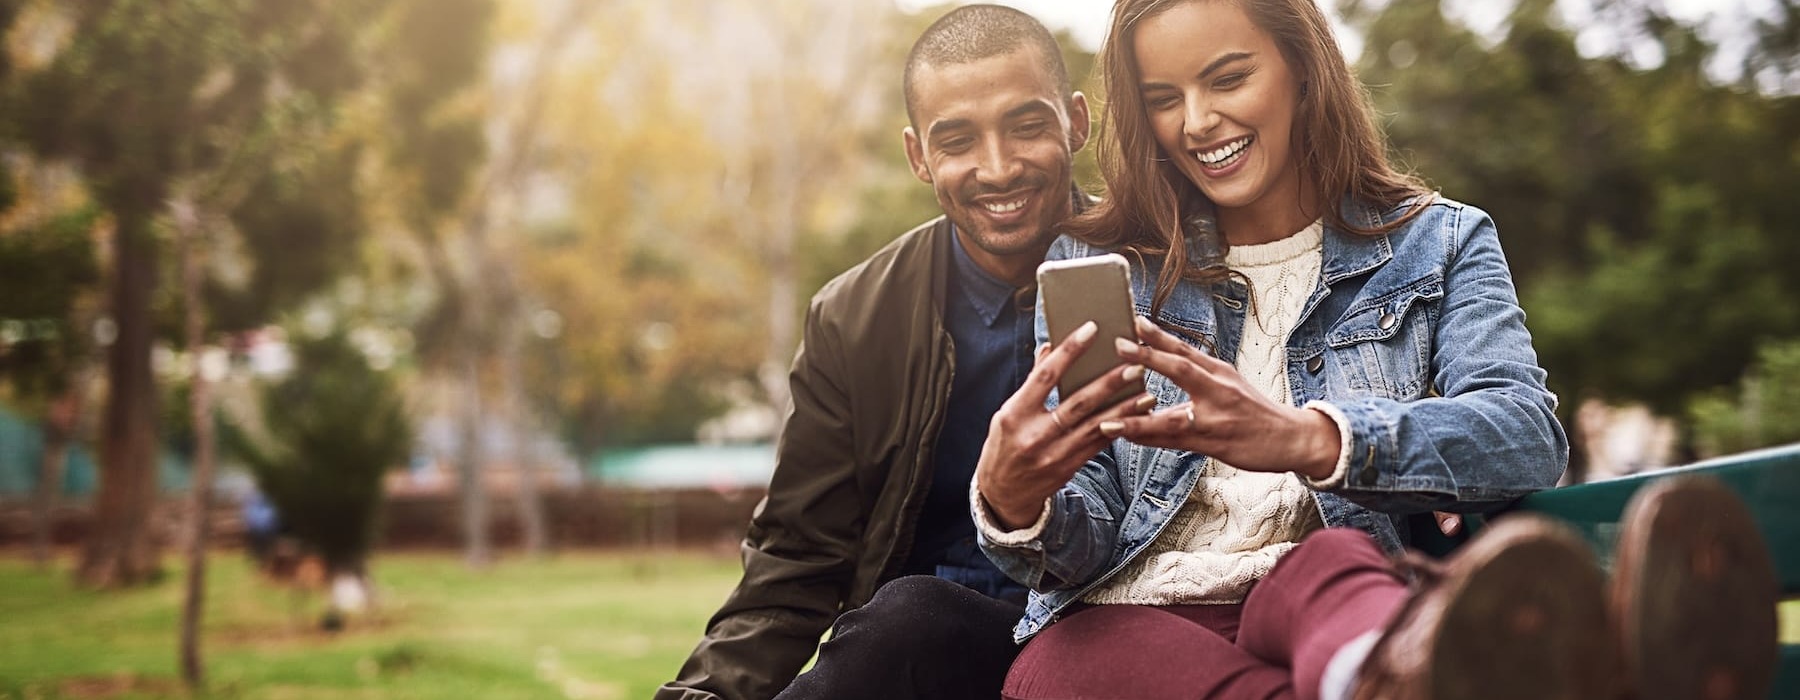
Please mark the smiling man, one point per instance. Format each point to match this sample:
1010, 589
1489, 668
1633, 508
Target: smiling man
905, 359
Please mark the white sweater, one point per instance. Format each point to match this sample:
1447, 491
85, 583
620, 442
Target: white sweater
1236, 524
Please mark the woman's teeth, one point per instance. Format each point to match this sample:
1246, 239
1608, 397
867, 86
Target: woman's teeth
1224, 155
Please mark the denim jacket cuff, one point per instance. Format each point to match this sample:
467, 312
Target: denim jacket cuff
992, 530
1346, 441
1372, 443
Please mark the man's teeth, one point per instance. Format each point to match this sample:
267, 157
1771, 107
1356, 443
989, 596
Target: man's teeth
1004, 207
1225, 154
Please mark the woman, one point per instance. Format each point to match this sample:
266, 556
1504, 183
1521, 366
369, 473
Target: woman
1334, 346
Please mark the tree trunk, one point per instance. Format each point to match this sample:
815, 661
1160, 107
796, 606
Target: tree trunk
517, 417
783, 304
477, 551
59, 431
200, 406
122, 549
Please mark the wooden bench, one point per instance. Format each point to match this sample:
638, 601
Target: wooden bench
1769, 482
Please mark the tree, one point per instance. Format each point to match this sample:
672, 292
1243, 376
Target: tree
48, 278
150, 115
320, 444
431, 166
1644, 209
1764, 410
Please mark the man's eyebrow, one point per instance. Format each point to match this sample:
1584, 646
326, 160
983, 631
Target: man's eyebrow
1032, 107
1037, 106
939, 127
1211, 68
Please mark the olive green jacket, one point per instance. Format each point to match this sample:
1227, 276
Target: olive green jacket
853, 465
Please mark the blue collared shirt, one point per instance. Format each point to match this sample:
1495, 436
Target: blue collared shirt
991, 327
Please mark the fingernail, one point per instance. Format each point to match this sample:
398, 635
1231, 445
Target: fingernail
1451, 525
1085, 332
1111, 428
1145, 402
1126, 347
1133, 373
1144, 325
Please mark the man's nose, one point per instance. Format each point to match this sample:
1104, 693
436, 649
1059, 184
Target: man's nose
999, 165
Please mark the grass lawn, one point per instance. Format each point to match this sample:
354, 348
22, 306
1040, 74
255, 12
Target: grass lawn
589, 625
582, 626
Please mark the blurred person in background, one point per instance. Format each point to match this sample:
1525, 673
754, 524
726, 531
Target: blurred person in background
904, 360
261, 526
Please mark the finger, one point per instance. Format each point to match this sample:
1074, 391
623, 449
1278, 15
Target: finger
1088, 429
1042, 350
1170, 427
1448, 523
1099, 394
1049, 371
1155, 337
1085, 440
1187, 374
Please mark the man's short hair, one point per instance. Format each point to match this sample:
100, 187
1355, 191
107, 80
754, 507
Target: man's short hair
974, 32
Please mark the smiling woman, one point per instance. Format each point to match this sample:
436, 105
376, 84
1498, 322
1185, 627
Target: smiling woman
1225, 116
1333, 349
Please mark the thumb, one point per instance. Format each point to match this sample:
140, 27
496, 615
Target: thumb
1448, 523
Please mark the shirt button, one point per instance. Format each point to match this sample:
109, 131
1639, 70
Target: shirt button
1386, 321
1315, 363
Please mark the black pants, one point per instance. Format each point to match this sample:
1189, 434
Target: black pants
920, 637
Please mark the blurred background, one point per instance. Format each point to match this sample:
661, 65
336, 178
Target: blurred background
475, 315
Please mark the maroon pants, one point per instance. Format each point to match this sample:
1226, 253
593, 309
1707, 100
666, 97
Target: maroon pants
1331, 589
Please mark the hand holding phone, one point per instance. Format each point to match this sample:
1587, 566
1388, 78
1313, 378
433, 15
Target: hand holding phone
1094, 289
1032, 452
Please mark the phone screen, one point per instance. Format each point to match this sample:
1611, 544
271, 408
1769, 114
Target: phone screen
1094, 289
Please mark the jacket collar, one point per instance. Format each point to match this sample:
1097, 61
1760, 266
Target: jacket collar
1347, 253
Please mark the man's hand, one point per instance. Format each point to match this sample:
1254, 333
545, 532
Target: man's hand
1030, 453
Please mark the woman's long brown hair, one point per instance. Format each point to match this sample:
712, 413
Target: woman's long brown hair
1338, 149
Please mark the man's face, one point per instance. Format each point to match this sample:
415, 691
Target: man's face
995, 140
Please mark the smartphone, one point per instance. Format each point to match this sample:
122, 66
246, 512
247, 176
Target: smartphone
1094, 289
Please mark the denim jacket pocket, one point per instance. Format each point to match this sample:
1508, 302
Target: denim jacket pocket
1382, 346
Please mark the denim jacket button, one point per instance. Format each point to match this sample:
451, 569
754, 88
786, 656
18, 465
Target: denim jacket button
1386, 321
1315, 363
1369, 475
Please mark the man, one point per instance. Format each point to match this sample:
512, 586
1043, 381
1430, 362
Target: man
905, 358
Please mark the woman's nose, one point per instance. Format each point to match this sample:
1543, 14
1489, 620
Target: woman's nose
1198, 119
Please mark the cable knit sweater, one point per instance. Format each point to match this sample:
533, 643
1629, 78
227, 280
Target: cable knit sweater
1236, 524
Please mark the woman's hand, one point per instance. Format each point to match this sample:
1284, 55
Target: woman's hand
1030, 453
1225, 417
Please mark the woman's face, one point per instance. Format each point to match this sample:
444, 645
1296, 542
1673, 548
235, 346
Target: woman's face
1221, 101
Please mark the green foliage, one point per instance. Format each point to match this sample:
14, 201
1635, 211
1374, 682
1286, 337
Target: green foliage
43, 271
1646, 213
1764, 410
236, 106
432, 50
330, 432
1669, 317
1527, 130
302, 225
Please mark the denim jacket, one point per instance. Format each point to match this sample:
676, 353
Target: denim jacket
1416, 336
